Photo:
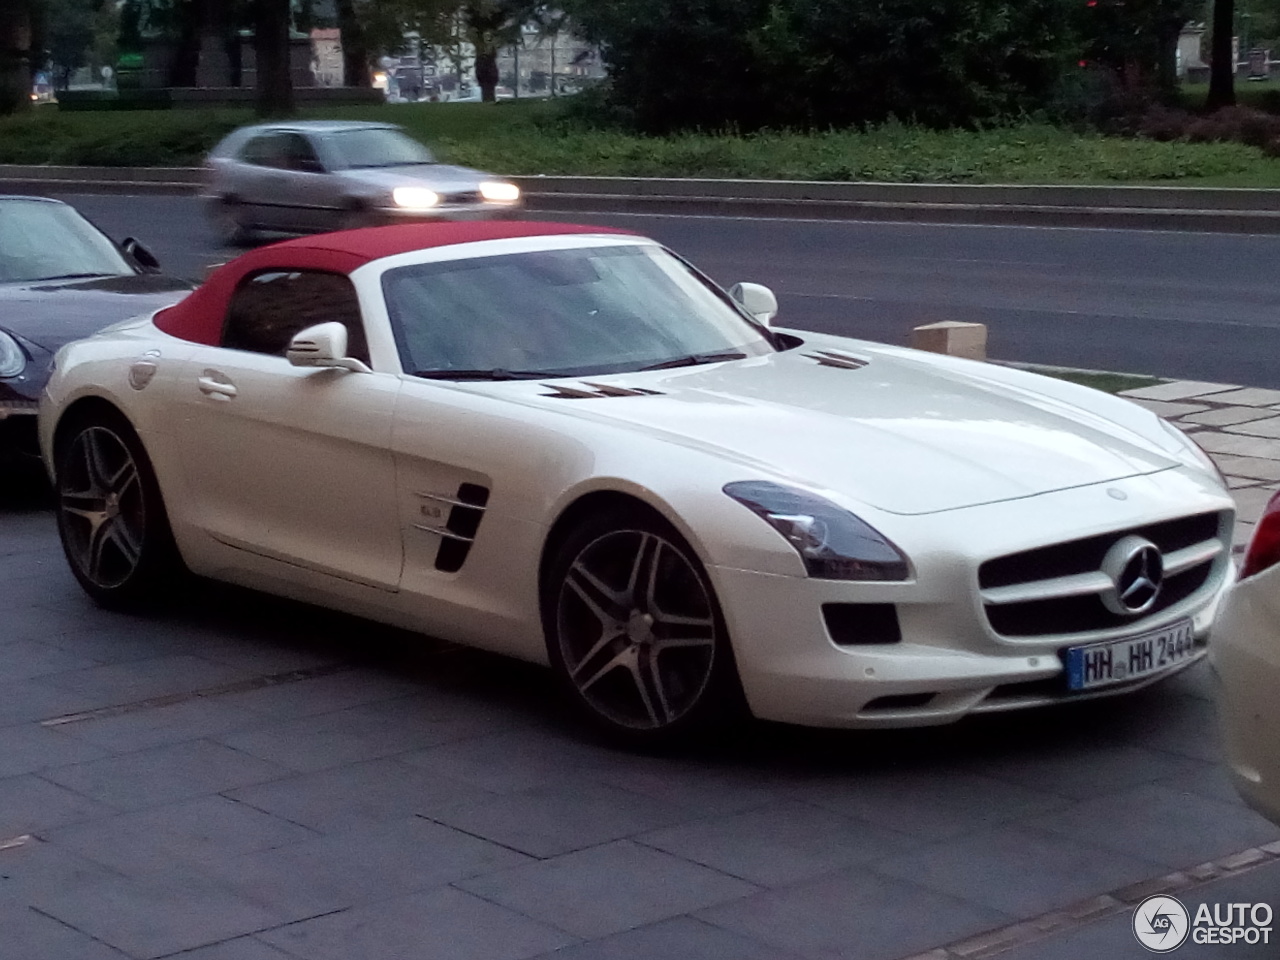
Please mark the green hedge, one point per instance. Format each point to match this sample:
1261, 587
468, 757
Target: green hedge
526, 138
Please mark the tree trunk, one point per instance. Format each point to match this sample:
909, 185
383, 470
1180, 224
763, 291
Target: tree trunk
15, 56
355, 53
487, 73
214, 66
1222, 67
1167, 70
271, 57
182, 72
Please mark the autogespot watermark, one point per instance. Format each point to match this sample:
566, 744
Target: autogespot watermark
1162, 924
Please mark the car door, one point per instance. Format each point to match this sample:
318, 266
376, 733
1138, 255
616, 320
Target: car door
292, 463
260, 179
306, 189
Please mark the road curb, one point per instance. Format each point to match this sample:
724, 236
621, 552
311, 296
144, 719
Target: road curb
1218, 209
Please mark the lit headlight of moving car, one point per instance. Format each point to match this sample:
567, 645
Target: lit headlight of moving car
415, 198
496, 191
833, 543
12, 360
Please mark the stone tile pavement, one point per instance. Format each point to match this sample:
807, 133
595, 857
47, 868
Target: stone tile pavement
1238, 426
242, 778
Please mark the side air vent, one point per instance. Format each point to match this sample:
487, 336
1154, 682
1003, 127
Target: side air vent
466, 510
596, 391
845, 361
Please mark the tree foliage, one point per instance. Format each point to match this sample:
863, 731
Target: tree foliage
68, 34
749, 64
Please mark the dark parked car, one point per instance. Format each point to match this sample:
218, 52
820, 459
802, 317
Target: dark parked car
61, 278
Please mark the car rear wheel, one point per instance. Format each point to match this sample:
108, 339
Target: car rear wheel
226, 216
635, 633
111, 516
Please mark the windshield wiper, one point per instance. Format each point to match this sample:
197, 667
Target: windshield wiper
693, 359
493, 374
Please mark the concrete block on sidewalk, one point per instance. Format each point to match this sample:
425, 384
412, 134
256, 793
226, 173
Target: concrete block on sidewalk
952, 337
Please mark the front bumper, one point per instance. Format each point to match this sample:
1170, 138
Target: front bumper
795, 673
472, 211
949, 662
1247, 657
18, 428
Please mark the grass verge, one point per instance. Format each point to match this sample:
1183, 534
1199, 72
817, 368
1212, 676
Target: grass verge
523, 138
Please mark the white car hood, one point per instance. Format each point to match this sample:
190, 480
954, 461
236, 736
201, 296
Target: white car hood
900, 434
436, 176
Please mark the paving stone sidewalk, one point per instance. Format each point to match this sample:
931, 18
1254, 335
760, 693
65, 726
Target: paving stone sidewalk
243, 778
1238, 426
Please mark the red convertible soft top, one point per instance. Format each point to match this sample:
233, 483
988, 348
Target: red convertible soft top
199, 317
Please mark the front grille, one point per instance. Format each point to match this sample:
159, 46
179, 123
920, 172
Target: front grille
1058, 589
466, 196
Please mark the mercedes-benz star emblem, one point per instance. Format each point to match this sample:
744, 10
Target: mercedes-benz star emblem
1135, 567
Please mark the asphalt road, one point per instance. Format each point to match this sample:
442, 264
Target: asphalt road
1176, 304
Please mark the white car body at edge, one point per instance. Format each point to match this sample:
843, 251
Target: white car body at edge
1246, 656
956, 462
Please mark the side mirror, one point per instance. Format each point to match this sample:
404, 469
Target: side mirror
140, 254
324, 345
757, 299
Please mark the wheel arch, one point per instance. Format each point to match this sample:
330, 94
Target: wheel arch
616, 495
77, 410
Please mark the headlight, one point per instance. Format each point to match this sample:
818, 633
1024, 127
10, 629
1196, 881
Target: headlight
496, 191
415, 198
12, 360
833, 543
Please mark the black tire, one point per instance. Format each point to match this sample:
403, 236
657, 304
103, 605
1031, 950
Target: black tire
226, 217
649, 665
111, 515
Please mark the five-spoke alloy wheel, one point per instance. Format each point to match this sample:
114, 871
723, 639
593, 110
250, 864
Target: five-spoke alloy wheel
110, 515
635, 632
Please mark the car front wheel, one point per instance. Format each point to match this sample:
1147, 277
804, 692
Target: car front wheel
111, 517
635, 633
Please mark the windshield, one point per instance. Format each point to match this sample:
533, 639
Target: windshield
376, 147
577, 312
47, 241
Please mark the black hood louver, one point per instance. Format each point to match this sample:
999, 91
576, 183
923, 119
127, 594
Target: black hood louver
596, 391
844, 361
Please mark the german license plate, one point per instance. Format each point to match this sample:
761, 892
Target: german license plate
1118, 661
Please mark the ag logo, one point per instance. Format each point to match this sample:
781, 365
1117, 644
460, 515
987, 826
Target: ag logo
1161, 924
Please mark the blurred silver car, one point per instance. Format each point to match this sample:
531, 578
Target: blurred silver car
309, 176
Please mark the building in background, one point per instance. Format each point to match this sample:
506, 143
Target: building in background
326, 57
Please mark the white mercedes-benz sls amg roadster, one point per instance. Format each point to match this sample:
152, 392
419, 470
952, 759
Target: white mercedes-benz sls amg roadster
568, 445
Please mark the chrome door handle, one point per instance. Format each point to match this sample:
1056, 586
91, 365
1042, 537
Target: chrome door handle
212, 385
